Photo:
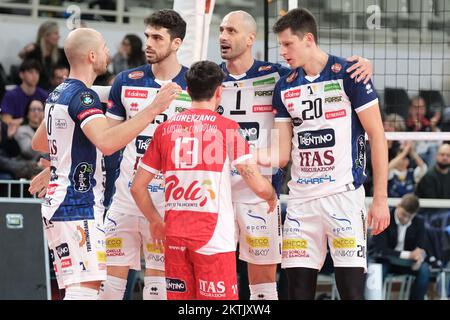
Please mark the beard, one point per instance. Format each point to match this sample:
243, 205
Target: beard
443, 166
158, 57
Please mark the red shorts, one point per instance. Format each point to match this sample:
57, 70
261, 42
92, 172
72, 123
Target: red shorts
190, 275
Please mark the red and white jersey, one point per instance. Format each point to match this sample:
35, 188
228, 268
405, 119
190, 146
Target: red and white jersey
195, 150
132, 91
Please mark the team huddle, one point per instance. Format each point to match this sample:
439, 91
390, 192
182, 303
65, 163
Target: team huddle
198, 171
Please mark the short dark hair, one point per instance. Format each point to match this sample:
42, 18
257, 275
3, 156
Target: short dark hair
202, 80
300, 21
30, 64
410, 203
170, 20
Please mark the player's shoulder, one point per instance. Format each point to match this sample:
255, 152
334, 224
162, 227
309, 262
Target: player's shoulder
261, 68
134, 76
337, 67
180, 78
70, 91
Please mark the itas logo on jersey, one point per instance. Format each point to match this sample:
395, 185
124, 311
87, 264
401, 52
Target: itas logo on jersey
249, 131
292, 94
142, 143
137, 94
316, 139
82, 177
316, 158
211, 288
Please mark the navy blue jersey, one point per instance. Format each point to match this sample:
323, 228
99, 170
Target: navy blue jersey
328, 154
76, 183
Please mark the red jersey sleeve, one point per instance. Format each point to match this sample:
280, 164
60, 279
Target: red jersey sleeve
237, 147
151, 161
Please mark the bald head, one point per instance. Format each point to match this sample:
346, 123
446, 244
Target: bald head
246, 20
80, 42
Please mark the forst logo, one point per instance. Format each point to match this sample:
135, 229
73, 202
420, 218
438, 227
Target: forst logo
142, 143
175, 285
249, 130
316, 139
138, 94
82, 177
266, 93
194, 192
63, 250
292, 94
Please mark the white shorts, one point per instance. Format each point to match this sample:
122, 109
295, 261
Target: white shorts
339, 219
77, 250
259, 233
125, 236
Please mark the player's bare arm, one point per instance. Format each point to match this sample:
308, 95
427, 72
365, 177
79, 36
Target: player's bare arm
279, 154
145, 203
110, 139
259, 184
40, 182
379, 217
40, 142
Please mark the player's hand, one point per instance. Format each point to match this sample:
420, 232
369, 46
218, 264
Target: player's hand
362, 69
272, 202
165, 96
379, 217
39, 183
158, 232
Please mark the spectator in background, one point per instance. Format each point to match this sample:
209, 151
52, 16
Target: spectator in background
393, 123
25, 132
400, 248
436, 182
405, 171
418, 121
15, 102
46, 51
58, 75
130, 54
11, 165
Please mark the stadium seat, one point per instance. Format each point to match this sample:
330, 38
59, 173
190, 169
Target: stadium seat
405, 281
434, 100
396, 100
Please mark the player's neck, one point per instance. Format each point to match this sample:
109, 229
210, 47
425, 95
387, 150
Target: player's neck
204, 105
166, 69
317, 63
241, 64
84, 76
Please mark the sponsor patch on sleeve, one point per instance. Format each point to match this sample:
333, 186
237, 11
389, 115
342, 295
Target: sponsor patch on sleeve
87, 113
87, 99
